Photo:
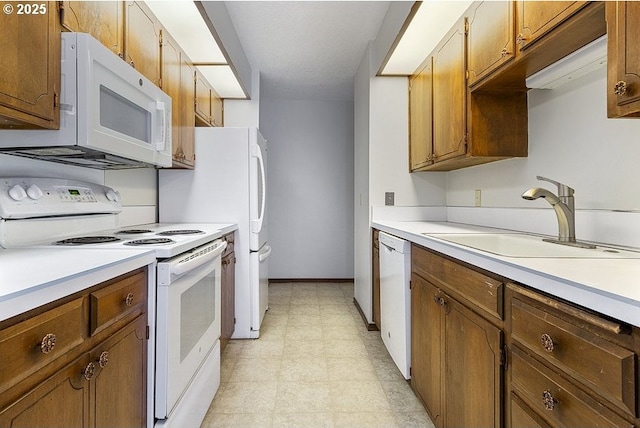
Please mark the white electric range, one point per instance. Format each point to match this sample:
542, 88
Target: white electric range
184, 303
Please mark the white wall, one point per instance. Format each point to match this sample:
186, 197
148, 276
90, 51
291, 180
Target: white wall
381, 165
310, 187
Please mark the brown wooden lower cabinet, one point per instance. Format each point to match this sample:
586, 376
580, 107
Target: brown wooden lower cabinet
228, 294
83, 379
457, 355
488, 354
375, 265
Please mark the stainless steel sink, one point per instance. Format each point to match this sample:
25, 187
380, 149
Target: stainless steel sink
523, 245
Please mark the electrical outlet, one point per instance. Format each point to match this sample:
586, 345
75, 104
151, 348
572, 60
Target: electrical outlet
478, 202
388, 198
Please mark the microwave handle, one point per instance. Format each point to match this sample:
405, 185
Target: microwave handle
162, 143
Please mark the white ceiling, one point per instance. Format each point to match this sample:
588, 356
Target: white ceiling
306, 49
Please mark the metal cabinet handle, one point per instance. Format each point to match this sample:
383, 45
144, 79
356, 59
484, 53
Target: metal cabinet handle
620, 88
103, 359
504, 52
47, 343
129, 299
548, 401
89, 371
547, 342
520, 39
439, 300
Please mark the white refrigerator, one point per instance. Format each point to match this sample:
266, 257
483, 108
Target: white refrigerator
228, 185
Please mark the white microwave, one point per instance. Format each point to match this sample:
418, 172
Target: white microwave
111, 116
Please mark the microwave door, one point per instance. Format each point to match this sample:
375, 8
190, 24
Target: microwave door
127, 115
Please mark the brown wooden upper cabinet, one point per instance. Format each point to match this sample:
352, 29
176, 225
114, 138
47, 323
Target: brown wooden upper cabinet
178, 87
421, 114
208, 103
30, 68
449, 94
491, 37
452, 127
104, 20
142, 40
623, 58
537, 18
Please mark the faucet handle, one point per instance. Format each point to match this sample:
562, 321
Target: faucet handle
563, 189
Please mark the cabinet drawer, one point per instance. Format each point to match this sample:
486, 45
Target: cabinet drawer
606, 367
116, 301
555, 399
30, 345
480, 290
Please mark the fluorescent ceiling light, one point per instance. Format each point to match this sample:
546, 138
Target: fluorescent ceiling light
577, 64
223, 81
428, 26
183, 21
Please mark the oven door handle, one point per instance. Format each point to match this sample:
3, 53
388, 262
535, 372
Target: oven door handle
180, 268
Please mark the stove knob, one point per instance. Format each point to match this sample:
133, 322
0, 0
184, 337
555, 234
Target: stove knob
34, 192
17, 193
113, 195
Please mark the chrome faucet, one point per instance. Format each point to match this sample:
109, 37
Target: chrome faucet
563, 205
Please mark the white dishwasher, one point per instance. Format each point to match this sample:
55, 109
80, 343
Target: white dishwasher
395, 299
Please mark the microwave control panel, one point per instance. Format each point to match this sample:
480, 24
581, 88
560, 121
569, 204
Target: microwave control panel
48, 197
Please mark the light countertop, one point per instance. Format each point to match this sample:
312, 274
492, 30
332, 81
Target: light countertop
608, 286
31, 277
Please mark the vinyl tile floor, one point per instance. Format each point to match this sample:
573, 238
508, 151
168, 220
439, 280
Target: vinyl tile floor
314, 365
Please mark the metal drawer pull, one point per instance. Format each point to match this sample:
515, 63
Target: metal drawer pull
620, 88
89, 371
548, 401
547, 342
48, 343
520, 39
129, 299
103, 359
504, 52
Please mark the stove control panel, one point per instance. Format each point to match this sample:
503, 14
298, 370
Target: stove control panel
28, 197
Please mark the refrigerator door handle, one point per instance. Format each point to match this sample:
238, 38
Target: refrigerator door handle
256, 225
264, 255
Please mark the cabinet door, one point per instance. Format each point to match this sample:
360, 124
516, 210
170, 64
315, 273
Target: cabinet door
375, 263
187, 136
449, 95
172, 85
60, 401
102, 19
142, 40
491, 37
426, 347
473, 368
536, 18
623, 58
217, 109
228, 298
202, 99
30, 68
421, 117
120, 382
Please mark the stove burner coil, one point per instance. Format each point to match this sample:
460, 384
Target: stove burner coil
150, 241
180, 232
132, 231
84, 240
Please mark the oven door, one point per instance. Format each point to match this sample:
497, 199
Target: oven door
188, 320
